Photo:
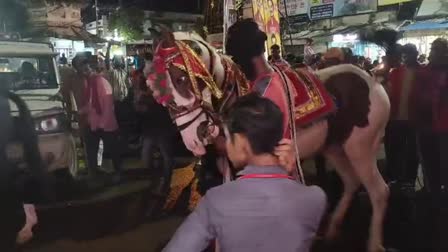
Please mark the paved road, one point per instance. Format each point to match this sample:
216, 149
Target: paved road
151, 236
145, 238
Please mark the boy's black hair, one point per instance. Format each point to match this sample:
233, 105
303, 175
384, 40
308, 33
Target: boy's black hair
258, 119
275, 47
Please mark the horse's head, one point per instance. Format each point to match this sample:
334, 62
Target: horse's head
183, 79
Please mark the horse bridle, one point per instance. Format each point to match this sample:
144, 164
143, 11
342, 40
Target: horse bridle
212, 118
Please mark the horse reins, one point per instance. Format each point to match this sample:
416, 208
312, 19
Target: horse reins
188, 123
198, 105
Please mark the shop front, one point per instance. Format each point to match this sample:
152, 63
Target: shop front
351, 40
423, 33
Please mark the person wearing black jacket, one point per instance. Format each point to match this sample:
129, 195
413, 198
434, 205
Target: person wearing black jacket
17, 188
158, 130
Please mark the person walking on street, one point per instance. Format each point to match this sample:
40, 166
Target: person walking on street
158, 132
431, 117
98, 109
401, 139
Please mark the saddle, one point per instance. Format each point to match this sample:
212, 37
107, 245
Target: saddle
312, 101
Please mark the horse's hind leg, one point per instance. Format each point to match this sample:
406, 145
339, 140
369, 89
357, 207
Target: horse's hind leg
337, 158
361, 152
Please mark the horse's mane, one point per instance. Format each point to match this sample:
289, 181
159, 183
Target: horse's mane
326, 73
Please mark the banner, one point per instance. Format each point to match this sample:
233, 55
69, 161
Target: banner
321, 9
259, 13
272, 22
267, 16
390, 2
433, 8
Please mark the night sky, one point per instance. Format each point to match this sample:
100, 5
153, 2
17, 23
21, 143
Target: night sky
188, 6
193, 6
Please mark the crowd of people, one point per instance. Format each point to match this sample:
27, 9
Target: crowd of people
94, 88
417, 133
417, 87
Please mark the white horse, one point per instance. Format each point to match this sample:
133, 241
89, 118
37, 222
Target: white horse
353, 155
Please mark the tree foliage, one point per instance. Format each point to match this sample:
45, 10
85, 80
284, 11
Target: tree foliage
128, 22
14, 16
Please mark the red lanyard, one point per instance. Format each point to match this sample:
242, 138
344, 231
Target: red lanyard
265, 176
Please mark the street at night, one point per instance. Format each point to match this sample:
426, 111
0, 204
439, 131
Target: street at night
223, 125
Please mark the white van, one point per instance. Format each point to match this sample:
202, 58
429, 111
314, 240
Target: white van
30, 70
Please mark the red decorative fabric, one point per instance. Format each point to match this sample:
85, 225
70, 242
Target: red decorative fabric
312, 101
430, 99
91, 93
395, 85
185, 59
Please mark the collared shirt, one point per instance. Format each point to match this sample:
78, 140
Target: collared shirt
256, 214
106, 120
400, 87
118, 79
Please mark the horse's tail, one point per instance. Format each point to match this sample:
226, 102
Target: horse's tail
386, 38
27, 135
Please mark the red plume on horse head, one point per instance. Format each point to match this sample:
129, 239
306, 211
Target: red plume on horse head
170, 53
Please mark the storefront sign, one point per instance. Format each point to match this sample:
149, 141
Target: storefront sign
320, 9
139, 49
389, 2
345, 38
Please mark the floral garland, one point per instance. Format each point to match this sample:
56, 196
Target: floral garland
157, 80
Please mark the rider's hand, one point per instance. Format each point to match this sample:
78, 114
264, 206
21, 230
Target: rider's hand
286, 154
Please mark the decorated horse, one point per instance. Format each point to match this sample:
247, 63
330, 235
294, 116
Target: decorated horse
197, 84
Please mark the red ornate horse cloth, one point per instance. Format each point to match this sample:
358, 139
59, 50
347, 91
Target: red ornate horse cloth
311, 100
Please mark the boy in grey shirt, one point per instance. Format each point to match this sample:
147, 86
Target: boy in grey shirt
264, 210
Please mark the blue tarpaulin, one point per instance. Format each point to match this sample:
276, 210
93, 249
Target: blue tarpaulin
426, 25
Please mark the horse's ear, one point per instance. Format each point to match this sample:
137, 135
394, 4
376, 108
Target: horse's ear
162, 33
167, 37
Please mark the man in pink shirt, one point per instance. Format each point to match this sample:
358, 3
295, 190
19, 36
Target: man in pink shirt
98, 109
